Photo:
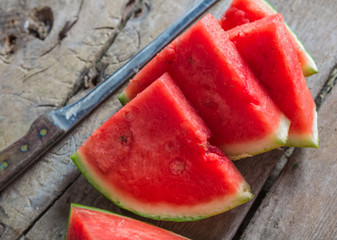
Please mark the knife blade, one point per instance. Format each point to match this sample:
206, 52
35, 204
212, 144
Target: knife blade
48, 129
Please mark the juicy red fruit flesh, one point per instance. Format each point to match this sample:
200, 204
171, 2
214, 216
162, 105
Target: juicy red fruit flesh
91, 224
242, 12
153, 70
214, 77
155, 150
267, 48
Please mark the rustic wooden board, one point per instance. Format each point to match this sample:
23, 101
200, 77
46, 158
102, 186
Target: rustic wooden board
37, 204
40, 75
302, 204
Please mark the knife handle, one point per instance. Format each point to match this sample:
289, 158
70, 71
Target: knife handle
21, 154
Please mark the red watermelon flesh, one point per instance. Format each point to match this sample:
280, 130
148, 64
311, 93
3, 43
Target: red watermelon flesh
213, 76
152, 158
149, 73
86, 223
267, 48
245, 11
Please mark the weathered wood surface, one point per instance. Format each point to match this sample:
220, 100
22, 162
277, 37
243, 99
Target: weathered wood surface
37, 204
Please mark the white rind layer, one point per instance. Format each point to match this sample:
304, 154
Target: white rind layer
305, 140
163, 211
250, 148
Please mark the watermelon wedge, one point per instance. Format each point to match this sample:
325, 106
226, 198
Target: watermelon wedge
212, 75
152, 158
87, 223
267, 48
245, 11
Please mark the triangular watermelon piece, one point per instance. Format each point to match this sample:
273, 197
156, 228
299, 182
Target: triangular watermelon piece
245, 11
207, 67
152, 158
267, 48
213, 76
87, 223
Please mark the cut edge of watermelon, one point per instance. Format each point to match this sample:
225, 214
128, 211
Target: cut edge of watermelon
277, 139
310, 67
188, 213
305, 140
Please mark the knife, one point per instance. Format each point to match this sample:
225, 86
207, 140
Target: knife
46, 130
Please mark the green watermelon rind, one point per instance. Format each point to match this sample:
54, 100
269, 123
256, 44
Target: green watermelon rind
123, 99
242, 196
305, 140
276, 139
111, 213
310, 67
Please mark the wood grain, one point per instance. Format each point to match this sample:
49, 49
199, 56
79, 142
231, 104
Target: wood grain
41, 74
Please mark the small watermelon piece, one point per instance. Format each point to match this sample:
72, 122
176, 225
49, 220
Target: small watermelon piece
267, 48
245, 11
87, 223
152, 158
210, 72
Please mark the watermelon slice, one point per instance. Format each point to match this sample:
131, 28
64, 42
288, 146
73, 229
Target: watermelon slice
87, 223
210, 72
152, 158
267, 48
245, 11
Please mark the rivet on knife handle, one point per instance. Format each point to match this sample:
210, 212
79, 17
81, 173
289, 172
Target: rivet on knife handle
18, 156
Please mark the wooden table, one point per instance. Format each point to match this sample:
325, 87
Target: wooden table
89, 40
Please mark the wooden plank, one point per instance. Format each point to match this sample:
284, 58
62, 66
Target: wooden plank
41, 74
302, 204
